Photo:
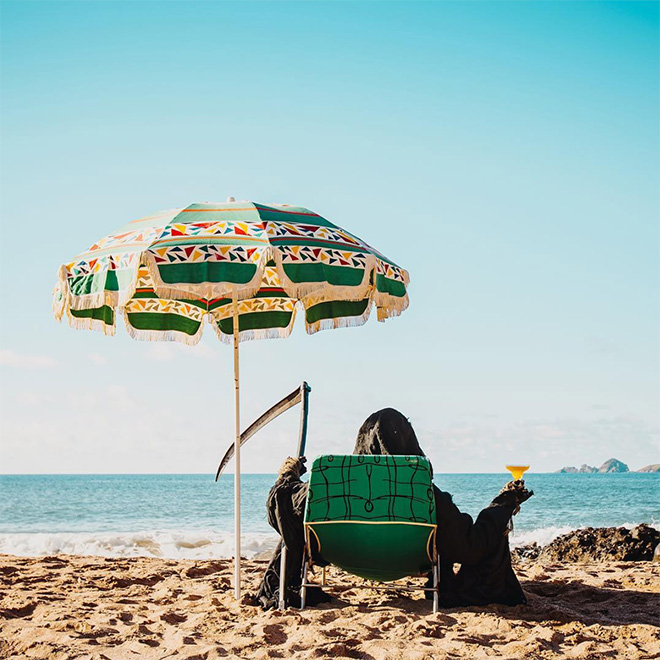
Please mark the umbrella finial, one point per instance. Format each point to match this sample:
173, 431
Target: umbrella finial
231, 199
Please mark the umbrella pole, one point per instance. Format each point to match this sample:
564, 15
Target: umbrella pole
237, 463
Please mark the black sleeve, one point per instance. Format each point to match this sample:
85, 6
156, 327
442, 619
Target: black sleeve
464, 541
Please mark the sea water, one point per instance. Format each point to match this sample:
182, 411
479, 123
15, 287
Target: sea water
191, 516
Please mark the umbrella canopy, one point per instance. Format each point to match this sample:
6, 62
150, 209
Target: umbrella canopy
169, 272
243, 267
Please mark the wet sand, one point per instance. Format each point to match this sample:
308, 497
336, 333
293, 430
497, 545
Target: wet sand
92, 607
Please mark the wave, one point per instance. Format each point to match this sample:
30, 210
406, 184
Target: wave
197, 544
168, 544
545, 535
541, 536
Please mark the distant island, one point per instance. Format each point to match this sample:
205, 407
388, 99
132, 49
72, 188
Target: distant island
612, 466
650, 468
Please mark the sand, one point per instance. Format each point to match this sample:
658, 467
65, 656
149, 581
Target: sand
92, 607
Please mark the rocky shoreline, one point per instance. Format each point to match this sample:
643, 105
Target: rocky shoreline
641, 543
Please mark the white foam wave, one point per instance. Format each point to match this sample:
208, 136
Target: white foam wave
541, 536
545, 535
169, 544
192, 544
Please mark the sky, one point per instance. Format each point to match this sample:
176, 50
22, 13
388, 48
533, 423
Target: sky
506, 154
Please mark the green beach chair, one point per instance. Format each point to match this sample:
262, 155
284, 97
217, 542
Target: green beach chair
374, 517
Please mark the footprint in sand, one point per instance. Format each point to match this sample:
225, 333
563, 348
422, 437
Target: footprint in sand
149, 581
85, 631
145, 636
274, 634
18, 612
429, 630
344, 649
203, 571
335, 632
328, 617
173, 618
479, 640
54, 562
143, 630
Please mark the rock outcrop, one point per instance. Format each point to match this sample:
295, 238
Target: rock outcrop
602, 544
613, 465
650, 468
583, 469
527, 552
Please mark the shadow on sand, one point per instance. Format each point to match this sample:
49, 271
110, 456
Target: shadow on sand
572, 600
559, 601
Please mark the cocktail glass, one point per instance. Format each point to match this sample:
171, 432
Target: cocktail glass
517, 471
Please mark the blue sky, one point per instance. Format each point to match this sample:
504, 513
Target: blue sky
505, 153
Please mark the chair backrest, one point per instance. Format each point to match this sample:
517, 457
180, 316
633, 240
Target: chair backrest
373, 516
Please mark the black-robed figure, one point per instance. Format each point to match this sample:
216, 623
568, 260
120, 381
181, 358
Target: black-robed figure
481, 547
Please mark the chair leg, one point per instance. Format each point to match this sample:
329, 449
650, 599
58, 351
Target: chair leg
323, 576
436, 587
303, 587
282, 603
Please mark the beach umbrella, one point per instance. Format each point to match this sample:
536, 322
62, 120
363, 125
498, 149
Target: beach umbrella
244, 268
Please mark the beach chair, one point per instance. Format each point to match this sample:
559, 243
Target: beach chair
374, 517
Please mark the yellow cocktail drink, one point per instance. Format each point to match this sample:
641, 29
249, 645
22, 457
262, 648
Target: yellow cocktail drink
517, 471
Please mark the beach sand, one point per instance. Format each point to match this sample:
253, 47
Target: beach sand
93, 607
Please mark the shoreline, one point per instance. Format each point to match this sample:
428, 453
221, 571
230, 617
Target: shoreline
108, 608
205, 544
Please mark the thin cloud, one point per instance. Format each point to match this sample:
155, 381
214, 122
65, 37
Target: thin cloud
97, 358
25, 361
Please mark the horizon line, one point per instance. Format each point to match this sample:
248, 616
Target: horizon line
199, 474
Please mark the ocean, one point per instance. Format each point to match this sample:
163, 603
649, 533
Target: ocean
191, 516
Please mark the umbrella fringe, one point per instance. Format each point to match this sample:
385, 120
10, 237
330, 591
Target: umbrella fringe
99, 299
93, 300
59, 302
251, 335
338, 322
262, 333
331, 292
390, 306
384, 313
97, 325
163, 335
